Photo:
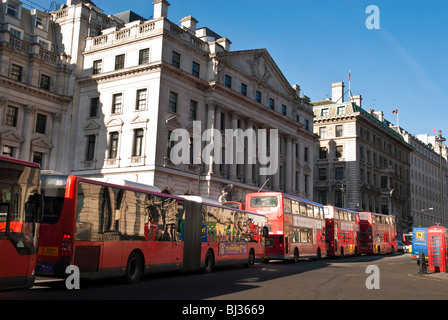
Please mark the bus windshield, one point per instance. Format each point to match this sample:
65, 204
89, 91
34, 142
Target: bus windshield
18, 204
53, 189
257, 202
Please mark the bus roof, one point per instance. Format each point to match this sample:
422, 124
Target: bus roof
18, 161
267, 193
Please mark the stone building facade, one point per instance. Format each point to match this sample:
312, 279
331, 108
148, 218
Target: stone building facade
361, 162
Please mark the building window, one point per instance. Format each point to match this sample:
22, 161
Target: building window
322, 174
16, 72
258, 96
284, 109
97, 66
339, 151
173, 102
13, 10
228, 81
339, 131
11, 116
384, 182
325, 112
193, 110
244, 89
195, 69
8, 151
113, 145
170, 144
138, 143
339, 173
90, 149
41, 123
307, 125
16, 34
323, 132
271, 103
94, 107
140, 103
38, 158
175, 59
305, 154
45, 82
119, 62
341, 110
143, 56
323, 153
339, 199
117, 103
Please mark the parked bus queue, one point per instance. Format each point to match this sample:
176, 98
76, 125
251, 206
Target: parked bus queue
128, 230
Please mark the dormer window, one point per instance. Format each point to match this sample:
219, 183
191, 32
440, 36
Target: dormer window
13, 9
40, 20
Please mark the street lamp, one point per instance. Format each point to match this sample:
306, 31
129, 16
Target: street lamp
441, 140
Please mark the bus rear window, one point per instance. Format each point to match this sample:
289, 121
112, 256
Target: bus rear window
53, 190
363, 216
258, 202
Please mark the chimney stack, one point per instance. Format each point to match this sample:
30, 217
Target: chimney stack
337, 92
160, 9
189, 23
356, 100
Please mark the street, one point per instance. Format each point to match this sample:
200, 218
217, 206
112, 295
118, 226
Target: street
328, 279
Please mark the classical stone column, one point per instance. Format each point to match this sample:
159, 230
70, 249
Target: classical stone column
54, 157
211, 125
27, 131
233, 166
288, 165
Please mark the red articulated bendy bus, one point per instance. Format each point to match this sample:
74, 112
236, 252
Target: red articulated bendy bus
296, 226
20, 212
119, 230
378, 233
342, 232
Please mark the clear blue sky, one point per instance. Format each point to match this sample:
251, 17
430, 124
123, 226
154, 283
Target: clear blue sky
403, 65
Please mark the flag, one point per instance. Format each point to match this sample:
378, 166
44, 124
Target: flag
395, 111
349, 75
435, 132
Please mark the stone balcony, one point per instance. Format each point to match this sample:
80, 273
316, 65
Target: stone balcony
136, 30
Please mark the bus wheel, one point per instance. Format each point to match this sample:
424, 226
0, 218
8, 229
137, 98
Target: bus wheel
209, 262
296, 255
251, 260
134, 268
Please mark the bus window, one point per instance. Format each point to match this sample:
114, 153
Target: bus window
257, 202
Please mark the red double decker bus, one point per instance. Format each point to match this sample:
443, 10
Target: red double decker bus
20, 212
296, 226
378, 233
342, 231
118, 230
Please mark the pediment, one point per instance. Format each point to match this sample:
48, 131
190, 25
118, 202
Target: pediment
258, 64
41, 143
139, 119
92, 126
114, 122
11, 136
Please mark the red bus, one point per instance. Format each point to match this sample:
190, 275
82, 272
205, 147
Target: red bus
378, 233
114, 230
296, 226
20, 211
342, 231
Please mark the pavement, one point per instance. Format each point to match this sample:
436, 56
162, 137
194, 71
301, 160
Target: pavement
440, 276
